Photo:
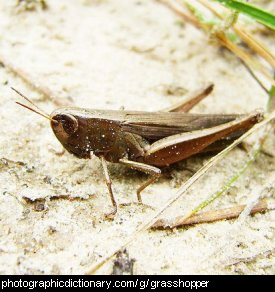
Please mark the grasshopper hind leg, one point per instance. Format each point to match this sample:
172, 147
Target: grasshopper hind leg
190, 102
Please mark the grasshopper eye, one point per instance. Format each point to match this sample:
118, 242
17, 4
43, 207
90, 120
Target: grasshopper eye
68, 122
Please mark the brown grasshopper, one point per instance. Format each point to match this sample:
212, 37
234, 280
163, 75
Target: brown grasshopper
145, 140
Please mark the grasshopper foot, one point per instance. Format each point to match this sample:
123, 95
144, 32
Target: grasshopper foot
111, 215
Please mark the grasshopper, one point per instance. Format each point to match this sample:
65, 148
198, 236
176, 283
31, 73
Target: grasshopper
141, 140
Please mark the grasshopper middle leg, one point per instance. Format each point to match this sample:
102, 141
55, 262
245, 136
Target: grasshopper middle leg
152, 170
109, 185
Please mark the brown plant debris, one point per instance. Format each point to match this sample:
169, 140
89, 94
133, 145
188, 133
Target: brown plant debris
122, 264
211, 216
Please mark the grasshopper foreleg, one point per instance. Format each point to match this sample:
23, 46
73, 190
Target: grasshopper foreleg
149, 169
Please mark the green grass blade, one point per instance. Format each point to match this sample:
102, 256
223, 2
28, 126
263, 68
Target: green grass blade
256, 13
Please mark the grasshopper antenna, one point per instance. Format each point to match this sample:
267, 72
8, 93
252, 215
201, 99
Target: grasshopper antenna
27, 99
38, 110
33, 110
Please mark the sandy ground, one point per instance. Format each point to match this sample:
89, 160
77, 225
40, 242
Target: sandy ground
109, 54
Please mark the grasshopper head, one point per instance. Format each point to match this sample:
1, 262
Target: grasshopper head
68, 129
64, 126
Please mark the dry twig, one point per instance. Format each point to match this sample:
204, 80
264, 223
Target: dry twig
45, 91
211, 216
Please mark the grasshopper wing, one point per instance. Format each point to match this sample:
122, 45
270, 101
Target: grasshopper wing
157, 125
